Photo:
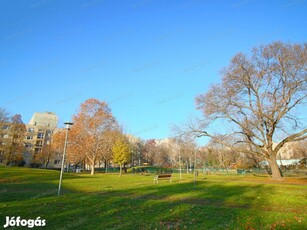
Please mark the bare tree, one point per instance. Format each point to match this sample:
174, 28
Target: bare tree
162, 155
186, 148
137, 150
4, 115
260, 97
221, 155
299, 150
4, 118
150, 149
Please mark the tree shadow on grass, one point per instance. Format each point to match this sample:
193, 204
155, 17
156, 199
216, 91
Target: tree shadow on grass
33, 184
177, 205
169, 207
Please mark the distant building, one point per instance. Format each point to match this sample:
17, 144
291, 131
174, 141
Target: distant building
38, 133
46, 119
282, 162
165, 141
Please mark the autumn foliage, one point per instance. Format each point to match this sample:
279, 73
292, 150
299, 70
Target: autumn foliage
88, 135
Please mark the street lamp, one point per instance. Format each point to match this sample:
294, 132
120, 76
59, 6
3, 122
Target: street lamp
194, 167
180, 174
67, 126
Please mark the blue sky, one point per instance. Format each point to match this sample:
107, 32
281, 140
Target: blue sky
147, 58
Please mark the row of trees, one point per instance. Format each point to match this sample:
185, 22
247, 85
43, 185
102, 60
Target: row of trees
258, 103
95, 137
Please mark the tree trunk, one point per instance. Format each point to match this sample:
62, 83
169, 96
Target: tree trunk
93, 169
276, 175
105, 166
83, 166
120, 170
46, 164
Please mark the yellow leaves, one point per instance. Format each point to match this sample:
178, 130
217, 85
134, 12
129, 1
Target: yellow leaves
121, 151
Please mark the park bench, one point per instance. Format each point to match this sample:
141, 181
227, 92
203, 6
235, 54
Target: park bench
163, 177
241, 171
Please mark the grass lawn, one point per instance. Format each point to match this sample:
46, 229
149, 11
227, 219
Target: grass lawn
107, 201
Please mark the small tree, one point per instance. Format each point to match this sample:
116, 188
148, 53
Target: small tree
121, 153
150, 150
47, 153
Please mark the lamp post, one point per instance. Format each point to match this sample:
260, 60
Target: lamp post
180, 174
194, 167
67, 126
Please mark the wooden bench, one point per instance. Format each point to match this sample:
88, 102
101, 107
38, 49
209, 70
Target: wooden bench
162, 177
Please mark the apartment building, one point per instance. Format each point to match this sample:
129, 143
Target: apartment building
38, 133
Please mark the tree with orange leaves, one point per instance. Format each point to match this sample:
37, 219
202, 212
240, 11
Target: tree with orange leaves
88, 137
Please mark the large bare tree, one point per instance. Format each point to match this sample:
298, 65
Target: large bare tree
260, 97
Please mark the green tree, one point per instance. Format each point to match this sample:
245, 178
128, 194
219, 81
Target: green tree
121, 153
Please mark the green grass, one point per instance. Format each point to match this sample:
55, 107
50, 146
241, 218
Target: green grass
106, 201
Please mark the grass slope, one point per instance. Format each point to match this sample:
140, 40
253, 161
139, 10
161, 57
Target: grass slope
106, 201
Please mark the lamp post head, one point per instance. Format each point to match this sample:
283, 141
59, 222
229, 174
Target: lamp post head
68, 124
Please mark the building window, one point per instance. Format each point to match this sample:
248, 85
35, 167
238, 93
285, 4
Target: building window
29, 137
5, 127
30, 130
28, 145
40, 136
57, 162
39, 143
37, 150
